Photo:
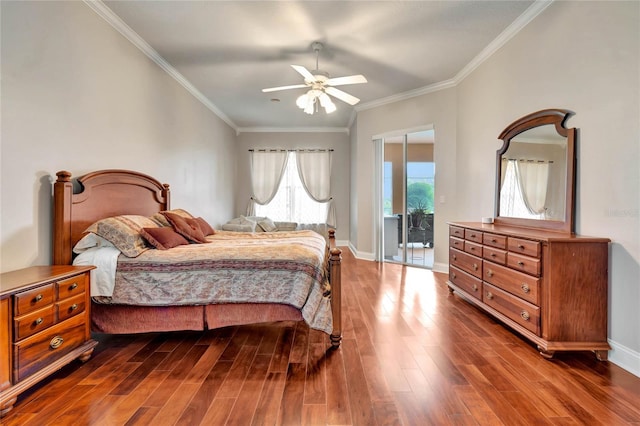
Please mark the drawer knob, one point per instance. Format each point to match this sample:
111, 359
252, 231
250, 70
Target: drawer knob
56, 342
520, 263
489, 273
475, 287
453, 274
38, 298
73, 286
525, 315
73, 307
473, 235
525, 288
475, 267
520, 246
38, 321
472, 248
489, 295
493, 240
454, 257
493, 255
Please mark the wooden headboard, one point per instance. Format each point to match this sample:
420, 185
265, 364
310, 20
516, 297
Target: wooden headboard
102, 194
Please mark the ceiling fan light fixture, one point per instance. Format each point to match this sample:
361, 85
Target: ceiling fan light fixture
326, 103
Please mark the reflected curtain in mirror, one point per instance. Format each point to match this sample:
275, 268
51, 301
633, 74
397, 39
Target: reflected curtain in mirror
524, 188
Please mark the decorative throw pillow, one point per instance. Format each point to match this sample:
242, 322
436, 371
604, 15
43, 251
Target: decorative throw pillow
187, 227
162, 221
124, 232
267, 225
236, 227
205, 227
163, 238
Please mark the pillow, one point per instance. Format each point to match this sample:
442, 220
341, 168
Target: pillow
236, 227
124, 232
187, 227
162, 221
163, 238
205, 227
267, 225
89, 241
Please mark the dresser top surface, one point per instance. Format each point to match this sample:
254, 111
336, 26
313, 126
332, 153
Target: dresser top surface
23, 279
532, 233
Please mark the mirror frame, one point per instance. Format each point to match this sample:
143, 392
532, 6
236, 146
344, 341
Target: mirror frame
557, 117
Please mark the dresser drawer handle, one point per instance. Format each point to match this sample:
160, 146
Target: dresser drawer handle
473, 235
520, 263
525, 315
73, 286
455, 243
453, 275
38, 321
493, 255
520, 246
489, 273
475, 267
525, 288
489, 295
56, 342
454, 257
475, 287
493, 240
472, 248
38, 298
73, 307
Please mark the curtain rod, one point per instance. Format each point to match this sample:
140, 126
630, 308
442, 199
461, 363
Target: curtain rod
290, 150
527, 160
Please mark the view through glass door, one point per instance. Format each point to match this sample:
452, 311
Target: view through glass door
408, 201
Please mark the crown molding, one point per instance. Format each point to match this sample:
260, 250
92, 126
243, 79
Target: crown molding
114, 20
406, 95
292, 130
514, 28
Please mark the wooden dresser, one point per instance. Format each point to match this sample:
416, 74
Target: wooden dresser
44, 325
551, 287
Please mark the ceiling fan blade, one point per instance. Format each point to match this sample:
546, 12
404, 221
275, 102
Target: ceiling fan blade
304, 72
352, 79
343, 96
275, 89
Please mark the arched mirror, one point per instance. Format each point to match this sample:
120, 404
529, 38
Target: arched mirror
535, 172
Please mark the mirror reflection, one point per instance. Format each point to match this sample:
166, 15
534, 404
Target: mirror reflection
533, 173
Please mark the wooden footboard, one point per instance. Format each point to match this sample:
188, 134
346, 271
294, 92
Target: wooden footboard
335, 279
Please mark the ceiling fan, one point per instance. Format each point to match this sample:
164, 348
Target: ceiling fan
320, 87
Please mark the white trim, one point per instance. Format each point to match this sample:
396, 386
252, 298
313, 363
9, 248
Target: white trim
514, 28
114, 20
441, 267
342, 243
402, 132
292, 130
406, 95
625, 358
360, 255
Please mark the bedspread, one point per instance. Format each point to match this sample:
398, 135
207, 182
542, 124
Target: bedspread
283, 267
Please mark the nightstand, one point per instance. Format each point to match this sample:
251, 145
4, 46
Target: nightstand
44, 325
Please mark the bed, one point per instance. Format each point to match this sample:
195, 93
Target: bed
81, 202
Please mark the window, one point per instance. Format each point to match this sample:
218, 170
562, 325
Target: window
292, 203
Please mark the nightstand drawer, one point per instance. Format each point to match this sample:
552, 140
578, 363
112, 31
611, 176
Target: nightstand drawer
40, 350
71, 287
70, 307
32, 300
34, 322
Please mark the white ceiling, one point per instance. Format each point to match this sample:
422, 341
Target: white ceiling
225, 52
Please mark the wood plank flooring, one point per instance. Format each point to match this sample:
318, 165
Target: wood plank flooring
412, 354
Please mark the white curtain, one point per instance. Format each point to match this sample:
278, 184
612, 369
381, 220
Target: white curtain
533, 177
314, 169
267, 168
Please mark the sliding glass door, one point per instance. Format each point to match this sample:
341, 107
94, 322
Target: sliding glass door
408, 177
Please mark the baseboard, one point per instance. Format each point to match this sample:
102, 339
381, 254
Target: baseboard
361, 255
342, 243
440, 267
625, 358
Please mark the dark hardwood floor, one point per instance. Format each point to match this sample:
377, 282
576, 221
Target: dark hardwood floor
412, 354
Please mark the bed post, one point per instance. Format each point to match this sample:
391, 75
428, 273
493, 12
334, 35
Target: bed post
62, 193
335, 259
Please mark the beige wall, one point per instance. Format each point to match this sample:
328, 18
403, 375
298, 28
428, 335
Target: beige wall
77, 96
583, 56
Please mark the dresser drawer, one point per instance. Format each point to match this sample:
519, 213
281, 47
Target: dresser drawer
524, 264
524, 313
494, 255
71, 287
29, 301
526, 247
466, 282
456, 231
33, 323
493, 240
473, 235
456, 243
41, 349
473, 248
466, 262
70, 307
516, 283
